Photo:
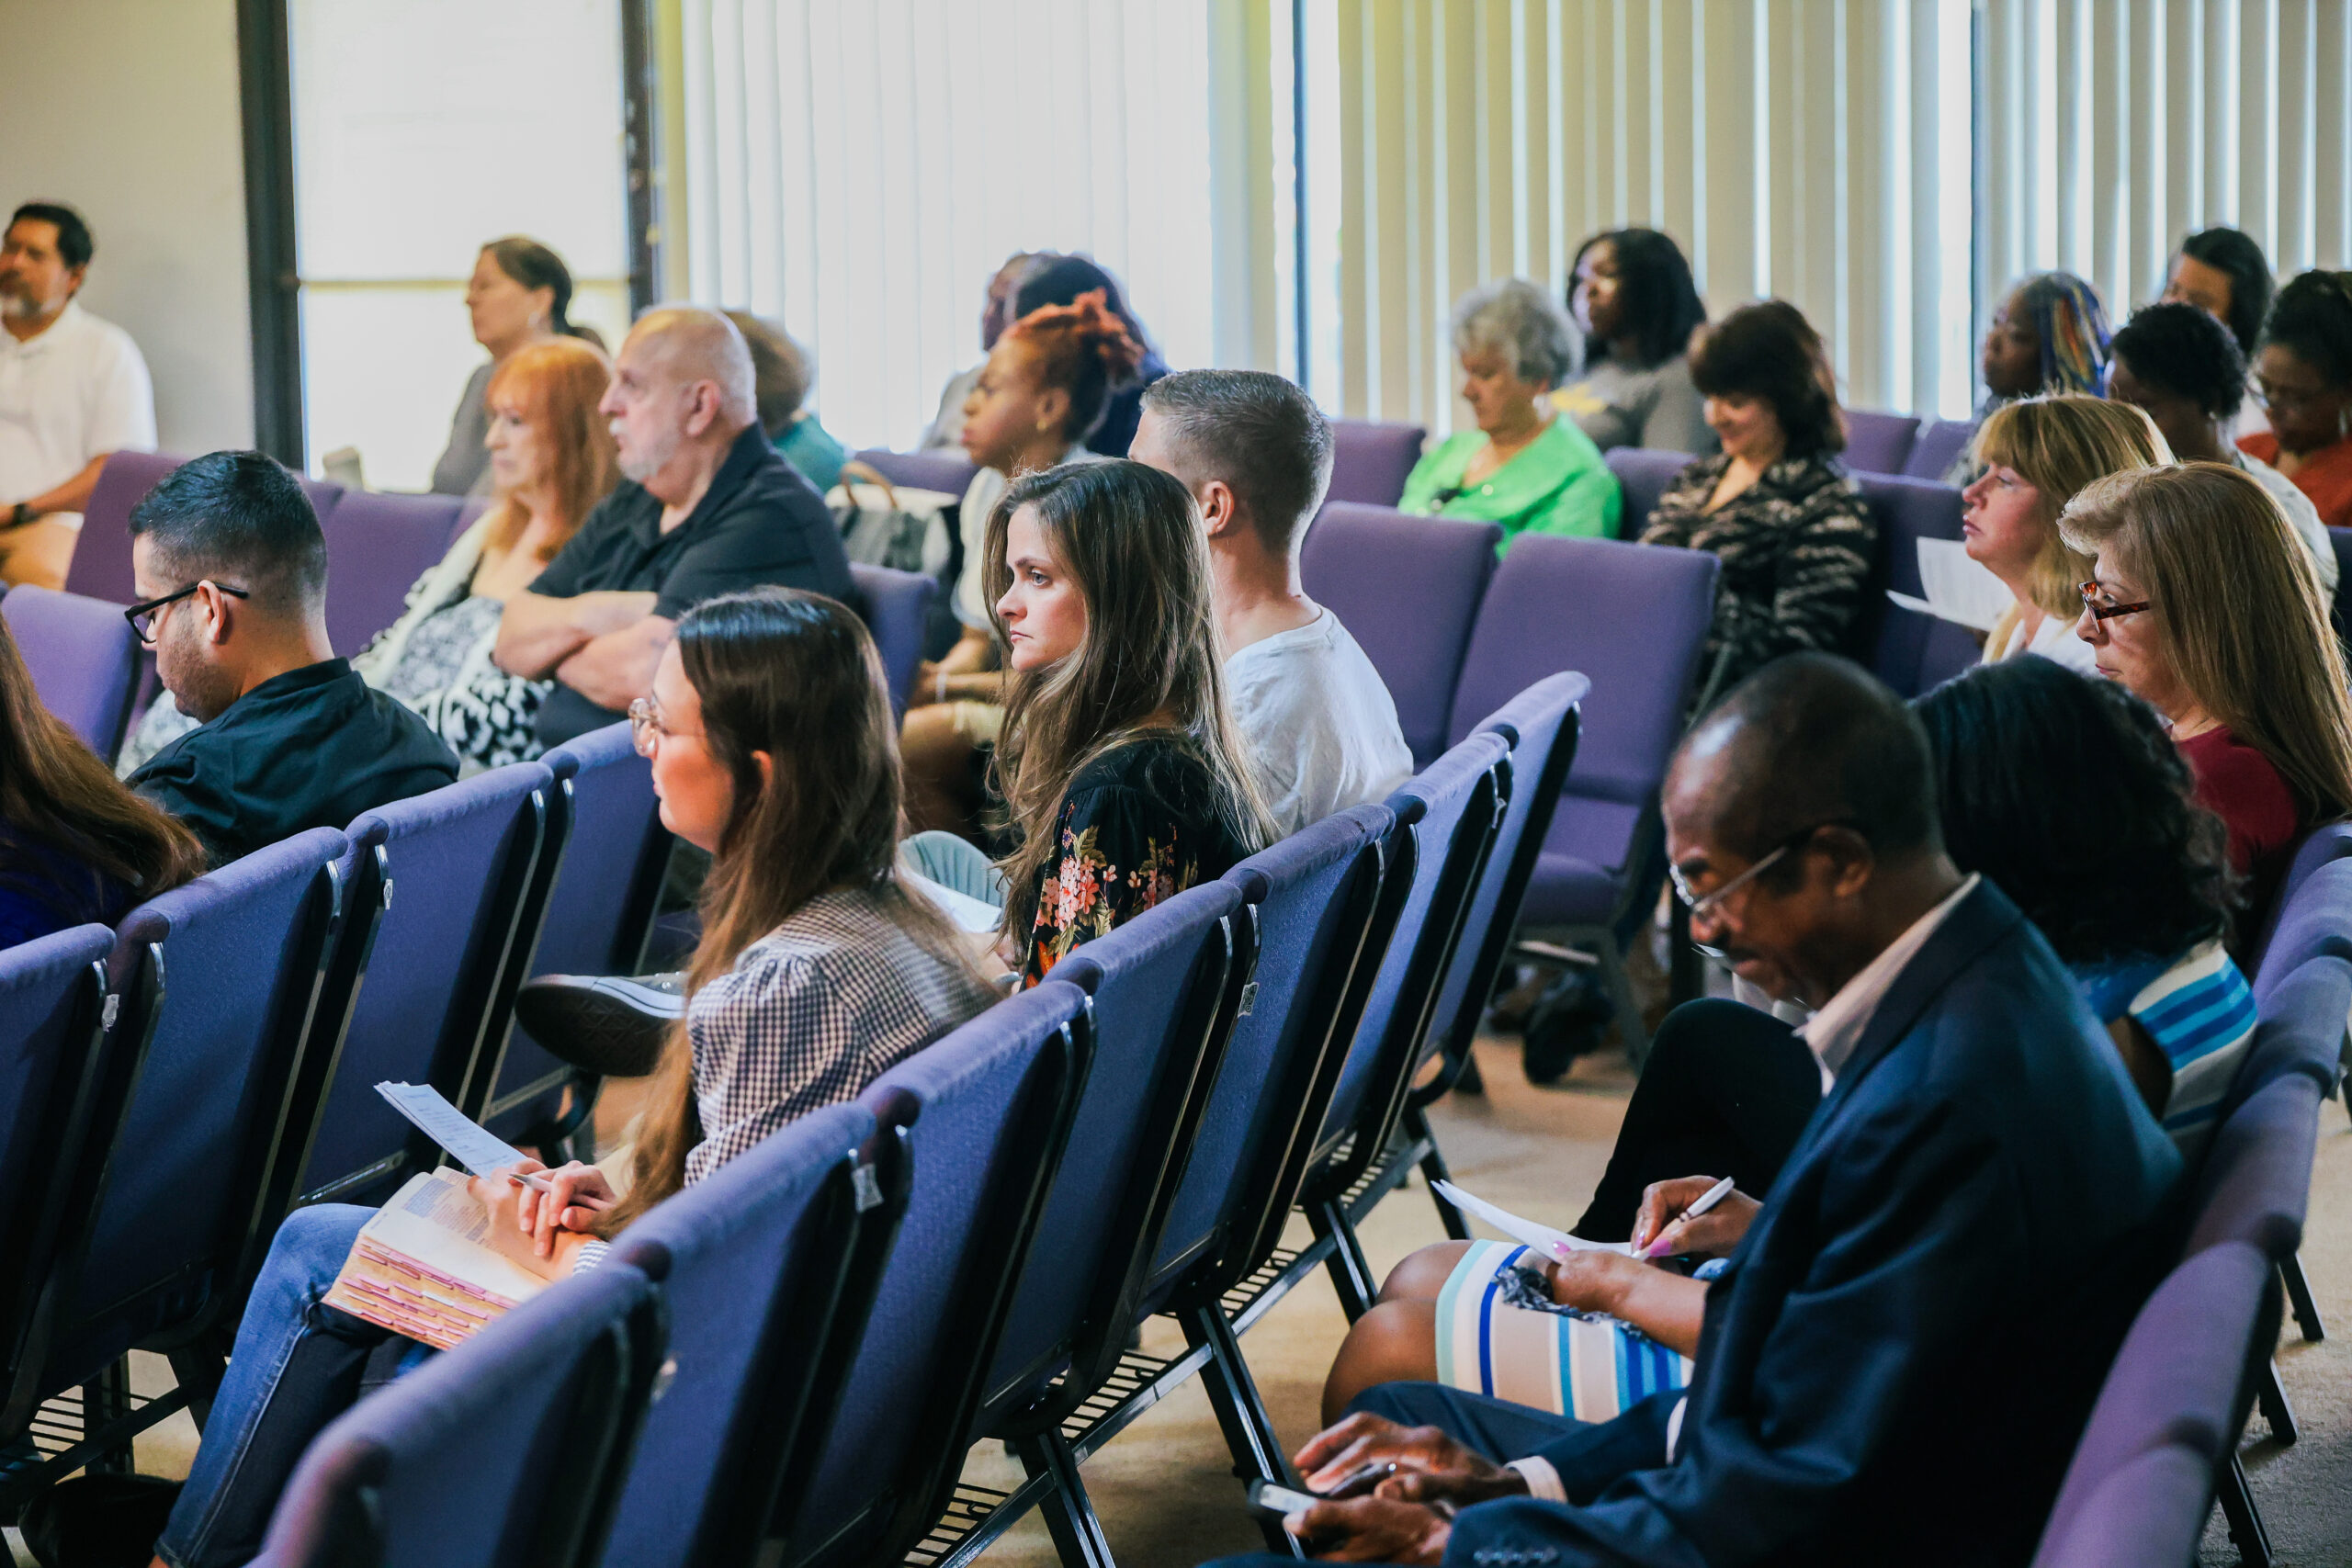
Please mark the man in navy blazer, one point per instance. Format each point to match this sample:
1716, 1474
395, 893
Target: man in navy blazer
1899, 1358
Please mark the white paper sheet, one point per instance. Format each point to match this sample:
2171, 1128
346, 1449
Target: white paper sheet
1959, 587
1543, 1238
473, 1146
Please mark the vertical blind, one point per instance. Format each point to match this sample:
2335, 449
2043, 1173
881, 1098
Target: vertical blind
860, 171
1817, 149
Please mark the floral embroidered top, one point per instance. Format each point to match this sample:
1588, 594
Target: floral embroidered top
1138, 826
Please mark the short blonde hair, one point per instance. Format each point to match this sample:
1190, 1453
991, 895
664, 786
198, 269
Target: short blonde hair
2058, 445
2239, 613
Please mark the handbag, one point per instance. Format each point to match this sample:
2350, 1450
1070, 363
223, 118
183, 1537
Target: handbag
882, 525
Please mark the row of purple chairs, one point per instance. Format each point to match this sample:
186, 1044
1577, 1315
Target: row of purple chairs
1902, 445
1173, 1073
2162, 1444
247, 1015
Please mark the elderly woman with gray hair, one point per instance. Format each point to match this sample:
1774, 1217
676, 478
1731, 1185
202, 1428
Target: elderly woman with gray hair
1525, 467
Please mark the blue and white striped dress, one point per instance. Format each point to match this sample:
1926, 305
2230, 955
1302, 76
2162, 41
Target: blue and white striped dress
1591, 1369
2199, 1011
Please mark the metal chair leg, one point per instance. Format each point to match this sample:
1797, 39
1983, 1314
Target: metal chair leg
1433, 1170
2246, 1530
1069, 1513
106, 1399
1349, 1269
2299, 1297
2271, 1394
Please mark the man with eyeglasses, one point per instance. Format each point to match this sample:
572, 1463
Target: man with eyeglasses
231, 569
1895, 1360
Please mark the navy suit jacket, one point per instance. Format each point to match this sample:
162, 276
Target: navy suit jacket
1900, 1357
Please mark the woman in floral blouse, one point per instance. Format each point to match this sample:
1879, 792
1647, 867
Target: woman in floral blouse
1119, 764
1791, 526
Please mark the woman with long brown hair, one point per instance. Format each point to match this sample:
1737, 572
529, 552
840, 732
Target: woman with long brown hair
552, 460
769, 734
2203, 601
75, 845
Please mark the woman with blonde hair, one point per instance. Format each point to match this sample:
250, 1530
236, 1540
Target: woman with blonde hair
819, 970
2030, 457
2202, 600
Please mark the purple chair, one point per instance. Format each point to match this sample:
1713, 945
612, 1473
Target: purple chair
1909, 651
596, 885
2302, 1027
948, 472
2320, 846
1939, 447
897, 610
1371, 461
1642, 473
219, 981
1878, 443
101, 567
1633, 618
1446, 821
378, 546
2166, 1426
418, 982
1407, 589
84, 656
506, 1449
982, 1116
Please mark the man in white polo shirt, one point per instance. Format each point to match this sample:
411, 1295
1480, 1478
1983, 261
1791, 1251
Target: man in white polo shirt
73, 388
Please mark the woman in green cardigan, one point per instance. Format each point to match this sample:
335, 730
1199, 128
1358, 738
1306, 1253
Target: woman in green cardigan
1525, 467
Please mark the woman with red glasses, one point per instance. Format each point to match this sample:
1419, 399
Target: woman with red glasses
2203, 601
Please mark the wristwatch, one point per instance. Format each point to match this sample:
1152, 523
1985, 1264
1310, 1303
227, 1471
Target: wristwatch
19, 514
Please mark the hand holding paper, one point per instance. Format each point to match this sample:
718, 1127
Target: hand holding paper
1543, 1238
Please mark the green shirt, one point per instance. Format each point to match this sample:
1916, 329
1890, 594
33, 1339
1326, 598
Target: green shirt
1557, 484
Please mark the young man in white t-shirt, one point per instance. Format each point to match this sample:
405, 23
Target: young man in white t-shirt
73, 388
1256, 454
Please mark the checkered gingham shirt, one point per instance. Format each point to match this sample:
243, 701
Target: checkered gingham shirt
812, 1013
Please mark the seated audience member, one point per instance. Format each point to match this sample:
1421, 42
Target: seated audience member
73, 388
1897, 1362
2033, 455
2203, 601
551, 460
996, 314
2182, 368
518, 297
780, 385
2126, 877
1524, 466
1045, 386
1064, 280
769, 727
709, 507
1317, 723
2049, 334
1775, 506
75, 844
1634, 300
1124, 776
2224, 273
2303, 372
231, 570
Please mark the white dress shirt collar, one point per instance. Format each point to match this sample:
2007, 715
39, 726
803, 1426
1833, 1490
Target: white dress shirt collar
1836, 1029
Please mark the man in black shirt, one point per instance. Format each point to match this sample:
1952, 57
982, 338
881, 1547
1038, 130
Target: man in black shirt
710, 507
231, 570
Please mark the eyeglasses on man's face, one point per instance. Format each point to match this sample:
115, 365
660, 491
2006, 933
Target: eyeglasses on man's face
1702, 905
144, 616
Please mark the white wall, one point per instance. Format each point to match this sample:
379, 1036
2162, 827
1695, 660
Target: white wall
127, 109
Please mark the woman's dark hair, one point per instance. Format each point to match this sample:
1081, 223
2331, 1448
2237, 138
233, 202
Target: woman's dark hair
2312, 321
2179, 349
1658, 300
2069, 795
1768, 350
1061, 280
2235, 254
1083, 347
55, 794
534, 266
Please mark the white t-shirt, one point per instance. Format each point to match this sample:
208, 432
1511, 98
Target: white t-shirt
1321, 727
2056, 640
2300, 512
77, 391
988, 488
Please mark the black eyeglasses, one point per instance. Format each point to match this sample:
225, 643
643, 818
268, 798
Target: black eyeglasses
143, 617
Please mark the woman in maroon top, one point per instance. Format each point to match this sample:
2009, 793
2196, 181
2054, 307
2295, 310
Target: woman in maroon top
2205, 604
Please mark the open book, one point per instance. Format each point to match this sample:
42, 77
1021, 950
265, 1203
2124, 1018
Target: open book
431, 1265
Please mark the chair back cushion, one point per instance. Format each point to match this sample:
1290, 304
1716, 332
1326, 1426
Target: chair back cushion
2312, 910
2256, 1183
1878, 443
1938, 448
896, 609
1369, 461
948, 472
101, 567
1909, 651
378, 546
1407, 589
84, 656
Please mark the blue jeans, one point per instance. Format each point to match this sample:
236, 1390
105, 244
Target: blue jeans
298, 1365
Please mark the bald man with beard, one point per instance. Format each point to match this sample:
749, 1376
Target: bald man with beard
706, 507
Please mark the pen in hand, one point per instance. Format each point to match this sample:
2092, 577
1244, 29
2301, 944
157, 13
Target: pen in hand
538, 1183
1661, 1245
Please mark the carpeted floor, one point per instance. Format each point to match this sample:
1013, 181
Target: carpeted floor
1164, 1488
